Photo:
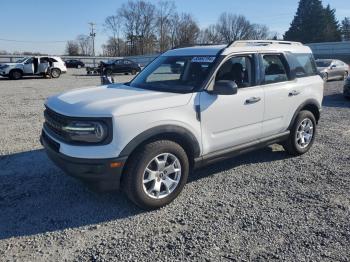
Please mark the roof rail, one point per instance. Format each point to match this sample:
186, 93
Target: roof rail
262, 43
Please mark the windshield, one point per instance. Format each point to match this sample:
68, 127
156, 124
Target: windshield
178, 74
22, 60
323, 63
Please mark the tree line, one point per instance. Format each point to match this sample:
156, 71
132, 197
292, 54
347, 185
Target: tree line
315, 23
140, 27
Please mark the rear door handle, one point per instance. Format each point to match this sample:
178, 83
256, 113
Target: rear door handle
252, 100
294, 93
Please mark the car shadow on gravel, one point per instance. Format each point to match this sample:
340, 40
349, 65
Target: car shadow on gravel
24, 78
36, 198
336, 100
267, 154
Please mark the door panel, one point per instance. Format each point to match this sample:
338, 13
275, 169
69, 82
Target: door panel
28, 67
279, 99
229, 120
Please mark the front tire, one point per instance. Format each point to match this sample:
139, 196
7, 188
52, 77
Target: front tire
156, 174
325, 77
15, 75
345, 75
302, 134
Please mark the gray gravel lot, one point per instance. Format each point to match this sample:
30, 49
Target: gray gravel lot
260, 206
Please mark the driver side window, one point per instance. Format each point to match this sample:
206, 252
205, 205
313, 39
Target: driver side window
29, 61
238, 69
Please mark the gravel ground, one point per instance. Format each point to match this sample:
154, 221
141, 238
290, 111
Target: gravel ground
260, 206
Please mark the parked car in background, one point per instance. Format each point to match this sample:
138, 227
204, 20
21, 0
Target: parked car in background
120, 66
347, 88
73, 63
332, 69
38, 65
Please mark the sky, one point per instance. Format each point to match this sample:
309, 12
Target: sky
37, 24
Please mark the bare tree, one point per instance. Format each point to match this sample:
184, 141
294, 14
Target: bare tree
72, 48
85, 45
113, 24
210, 35
110, 50
138, 20
260, 32
233, 27
164, 14
186, 30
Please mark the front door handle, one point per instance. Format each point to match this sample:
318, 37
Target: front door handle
252, 100
294, 93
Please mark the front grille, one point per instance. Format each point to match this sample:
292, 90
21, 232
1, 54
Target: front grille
55, 123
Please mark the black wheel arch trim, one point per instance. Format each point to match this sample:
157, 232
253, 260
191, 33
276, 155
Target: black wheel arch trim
164, 131
309, 102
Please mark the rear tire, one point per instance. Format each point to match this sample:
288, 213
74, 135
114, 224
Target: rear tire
302, 136
133, 72
156, 174
55, 73
16, 74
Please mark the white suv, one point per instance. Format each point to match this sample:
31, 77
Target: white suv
189, 107
38, 65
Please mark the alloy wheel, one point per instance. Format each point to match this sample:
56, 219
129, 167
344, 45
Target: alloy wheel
162, 176
305, 133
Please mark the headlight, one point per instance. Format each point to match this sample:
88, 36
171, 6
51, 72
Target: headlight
4, 66
86, 131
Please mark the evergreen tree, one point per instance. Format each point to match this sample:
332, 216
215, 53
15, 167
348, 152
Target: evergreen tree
332, 31
345, 28
313, 23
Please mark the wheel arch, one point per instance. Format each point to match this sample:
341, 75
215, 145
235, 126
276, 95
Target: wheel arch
311, 105
16, 69
180, 135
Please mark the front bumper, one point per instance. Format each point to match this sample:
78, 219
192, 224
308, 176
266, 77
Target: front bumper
98, 173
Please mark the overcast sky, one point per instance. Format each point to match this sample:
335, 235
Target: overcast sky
37, 21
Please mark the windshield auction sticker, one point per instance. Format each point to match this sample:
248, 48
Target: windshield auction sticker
203, 59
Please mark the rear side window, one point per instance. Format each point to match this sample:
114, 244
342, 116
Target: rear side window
303, 65
274, 69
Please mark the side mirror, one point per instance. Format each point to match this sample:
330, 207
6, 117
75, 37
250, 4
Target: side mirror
225, 87
333, 66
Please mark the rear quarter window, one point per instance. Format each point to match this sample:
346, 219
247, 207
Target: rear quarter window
303, 65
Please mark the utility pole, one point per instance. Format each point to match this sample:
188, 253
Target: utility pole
92, 35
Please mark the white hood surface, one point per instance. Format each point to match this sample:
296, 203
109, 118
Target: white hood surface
117, 100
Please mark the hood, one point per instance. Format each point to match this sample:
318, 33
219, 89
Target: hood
9, 64
117, 100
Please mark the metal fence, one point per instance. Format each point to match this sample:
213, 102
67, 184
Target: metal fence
87, 60
335, 50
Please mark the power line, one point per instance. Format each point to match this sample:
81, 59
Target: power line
29, 41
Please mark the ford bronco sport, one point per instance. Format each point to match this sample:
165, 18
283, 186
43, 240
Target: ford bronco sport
189, 107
